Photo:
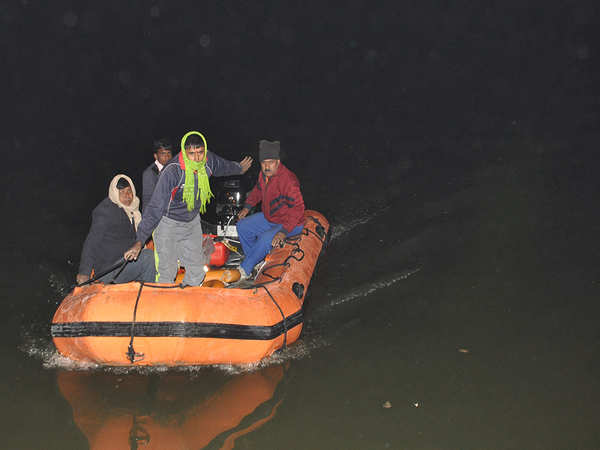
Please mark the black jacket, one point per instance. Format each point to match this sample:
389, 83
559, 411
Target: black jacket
110, 235
149, 179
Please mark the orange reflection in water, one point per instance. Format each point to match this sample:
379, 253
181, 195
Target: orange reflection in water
169, 411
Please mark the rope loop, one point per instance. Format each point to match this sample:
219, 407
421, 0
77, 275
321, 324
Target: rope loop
131, 353
284, 321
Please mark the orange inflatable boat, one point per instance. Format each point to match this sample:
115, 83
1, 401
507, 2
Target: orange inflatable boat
165, 324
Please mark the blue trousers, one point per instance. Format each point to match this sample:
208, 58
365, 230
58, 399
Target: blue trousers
256, 234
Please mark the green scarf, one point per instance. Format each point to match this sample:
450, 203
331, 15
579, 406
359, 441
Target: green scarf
190, 190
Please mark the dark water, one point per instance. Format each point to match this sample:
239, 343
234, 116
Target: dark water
452, 147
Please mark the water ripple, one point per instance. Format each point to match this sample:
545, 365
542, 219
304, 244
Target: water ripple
364, 291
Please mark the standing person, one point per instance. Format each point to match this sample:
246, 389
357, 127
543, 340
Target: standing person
282, 208
173, 213
163, 152
113, 230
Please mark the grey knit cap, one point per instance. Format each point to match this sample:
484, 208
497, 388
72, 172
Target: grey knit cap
268, 150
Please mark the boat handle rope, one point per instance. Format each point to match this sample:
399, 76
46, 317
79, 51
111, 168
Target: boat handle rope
294, 241
284, 319
285, 263
119, 272
306, 232
120, 263
320, 230
131, 353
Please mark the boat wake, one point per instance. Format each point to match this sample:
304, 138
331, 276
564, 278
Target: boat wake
44, 350
368, 289
59, 285
299, 350
340, 229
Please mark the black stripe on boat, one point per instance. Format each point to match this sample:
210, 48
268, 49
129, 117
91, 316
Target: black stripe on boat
174, 329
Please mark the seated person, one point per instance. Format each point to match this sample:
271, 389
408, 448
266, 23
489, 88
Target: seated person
282, 208
113, 230
162, 155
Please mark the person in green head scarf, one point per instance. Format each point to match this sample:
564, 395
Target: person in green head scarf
194, 155
172, 215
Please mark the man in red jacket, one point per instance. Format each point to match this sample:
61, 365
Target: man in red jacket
282, 208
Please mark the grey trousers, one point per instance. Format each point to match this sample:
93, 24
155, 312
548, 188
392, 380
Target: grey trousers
179, 242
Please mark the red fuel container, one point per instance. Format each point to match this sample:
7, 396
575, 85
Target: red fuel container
220, 255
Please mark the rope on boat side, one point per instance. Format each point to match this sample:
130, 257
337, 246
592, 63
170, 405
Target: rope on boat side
320, 230
285, 263
294, 241
118, 272
282, 316
131, 354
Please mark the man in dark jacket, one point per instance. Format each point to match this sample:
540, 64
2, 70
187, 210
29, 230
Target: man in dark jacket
282, 208
162, 155
173, 214
114, 223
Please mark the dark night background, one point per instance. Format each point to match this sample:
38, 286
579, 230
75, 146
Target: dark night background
353, 90
391, 104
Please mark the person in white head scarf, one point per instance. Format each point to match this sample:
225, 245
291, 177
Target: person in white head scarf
113, 230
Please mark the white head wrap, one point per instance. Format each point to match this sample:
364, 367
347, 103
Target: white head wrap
133, 210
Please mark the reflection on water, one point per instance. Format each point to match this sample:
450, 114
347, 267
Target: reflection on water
170, 410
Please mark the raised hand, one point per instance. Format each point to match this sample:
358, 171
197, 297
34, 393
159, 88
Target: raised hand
246, 163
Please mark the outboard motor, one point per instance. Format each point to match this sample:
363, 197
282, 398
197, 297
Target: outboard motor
230, 201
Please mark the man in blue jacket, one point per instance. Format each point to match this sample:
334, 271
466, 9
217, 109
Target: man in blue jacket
173, 214
162, 155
